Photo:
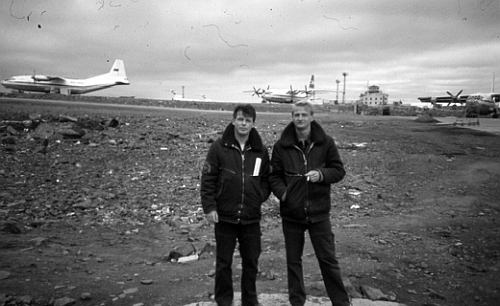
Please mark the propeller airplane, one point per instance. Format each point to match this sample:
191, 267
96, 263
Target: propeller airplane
66, 86
287, 96
477, 104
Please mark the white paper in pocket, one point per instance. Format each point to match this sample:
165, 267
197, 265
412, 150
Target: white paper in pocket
256, 169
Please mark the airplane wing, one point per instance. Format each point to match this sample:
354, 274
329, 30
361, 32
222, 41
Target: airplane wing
443, 99
314, 91
320, 91
56, 78
39, 77
425, 99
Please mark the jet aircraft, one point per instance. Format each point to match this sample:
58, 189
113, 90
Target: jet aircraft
287, 96
66, 86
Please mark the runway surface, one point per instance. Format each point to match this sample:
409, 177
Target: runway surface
489, 125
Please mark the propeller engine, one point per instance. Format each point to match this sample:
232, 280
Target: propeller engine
307, 91
258, 91
293, 92
39, 77
455, 98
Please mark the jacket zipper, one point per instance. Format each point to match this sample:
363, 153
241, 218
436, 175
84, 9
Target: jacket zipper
242, 176
305, 166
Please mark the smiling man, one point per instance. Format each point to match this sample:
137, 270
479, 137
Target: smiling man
305, 162
234, 183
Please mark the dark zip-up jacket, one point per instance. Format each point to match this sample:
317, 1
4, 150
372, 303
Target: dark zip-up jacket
230, 184
305, 201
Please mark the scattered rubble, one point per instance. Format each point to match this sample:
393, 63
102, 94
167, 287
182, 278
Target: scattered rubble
278, 299
126, 175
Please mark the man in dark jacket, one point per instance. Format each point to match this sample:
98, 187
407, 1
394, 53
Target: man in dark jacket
305, 162
234, 183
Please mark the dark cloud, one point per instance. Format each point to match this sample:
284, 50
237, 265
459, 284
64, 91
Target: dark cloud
221, 48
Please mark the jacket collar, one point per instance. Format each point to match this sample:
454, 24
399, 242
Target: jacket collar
289, 136
254, 139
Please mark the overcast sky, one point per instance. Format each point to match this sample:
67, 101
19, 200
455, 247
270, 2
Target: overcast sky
220, 49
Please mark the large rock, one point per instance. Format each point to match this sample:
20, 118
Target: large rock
67, 130
44, 131
71, 131
64, 301
181, 251
373, 293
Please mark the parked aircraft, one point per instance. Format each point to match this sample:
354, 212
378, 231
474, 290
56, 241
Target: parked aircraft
287, 96
66, 86
477, 104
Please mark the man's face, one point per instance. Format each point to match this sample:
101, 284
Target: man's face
242, 124
302, 118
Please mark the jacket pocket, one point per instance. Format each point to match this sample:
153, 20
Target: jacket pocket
295, 194
256, 189
227, 177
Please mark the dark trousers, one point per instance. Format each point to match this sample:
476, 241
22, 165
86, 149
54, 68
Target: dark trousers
323, 241
248, 237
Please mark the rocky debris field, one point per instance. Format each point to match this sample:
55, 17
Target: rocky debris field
104, 209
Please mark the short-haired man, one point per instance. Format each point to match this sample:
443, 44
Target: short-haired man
305, 162
234, 183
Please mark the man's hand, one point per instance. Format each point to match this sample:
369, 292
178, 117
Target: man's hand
314, 176
212, 217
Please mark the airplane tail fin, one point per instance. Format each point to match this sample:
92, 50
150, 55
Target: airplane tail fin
311, 92
118, 70
311, 83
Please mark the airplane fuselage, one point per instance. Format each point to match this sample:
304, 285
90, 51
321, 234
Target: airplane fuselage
282, 97
483, 104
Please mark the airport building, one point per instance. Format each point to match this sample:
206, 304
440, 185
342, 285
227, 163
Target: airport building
373, 97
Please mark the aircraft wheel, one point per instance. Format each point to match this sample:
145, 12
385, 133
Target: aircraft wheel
454, 123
